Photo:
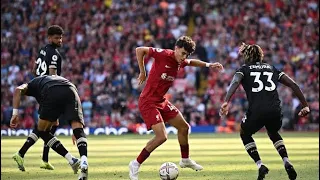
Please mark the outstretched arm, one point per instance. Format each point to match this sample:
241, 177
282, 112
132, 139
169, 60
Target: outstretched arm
287, 81
20, 90
140, 53
199, 63
233, 87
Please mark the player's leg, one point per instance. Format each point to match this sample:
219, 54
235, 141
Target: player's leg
51, 107
183, 137
31, 140
82, 145
45, 154
54, 143
153, 119
273, 128
74, 115
250, 125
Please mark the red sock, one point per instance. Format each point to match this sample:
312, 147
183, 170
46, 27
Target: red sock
143, 156
184, 151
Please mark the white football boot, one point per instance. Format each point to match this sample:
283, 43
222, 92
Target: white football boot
134, 170
188, 163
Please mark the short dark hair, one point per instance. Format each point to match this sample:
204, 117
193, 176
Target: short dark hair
252, 53
187, 43
55, 29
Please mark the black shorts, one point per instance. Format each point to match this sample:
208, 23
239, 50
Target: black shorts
255, 120
61, 100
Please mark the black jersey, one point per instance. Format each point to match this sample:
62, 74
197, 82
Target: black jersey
260, 82
48, 57
38, 86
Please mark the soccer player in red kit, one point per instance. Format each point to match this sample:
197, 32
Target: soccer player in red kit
155, 109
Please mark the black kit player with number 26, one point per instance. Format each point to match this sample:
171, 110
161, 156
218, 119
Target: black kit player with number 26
48, 62
259, 81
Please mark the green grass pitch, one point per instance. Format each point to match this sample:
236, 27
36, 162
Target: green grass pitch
222, 156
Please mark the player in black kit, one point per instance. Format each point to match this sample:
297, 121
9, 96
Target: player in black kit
56, 95
48, 62
259, 81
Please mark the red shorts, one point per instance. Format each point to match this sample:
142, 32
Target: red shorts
153, 113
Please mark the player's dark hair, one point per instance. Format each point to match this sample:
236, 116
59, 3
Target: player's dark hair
55, 30
187, 43
252, 53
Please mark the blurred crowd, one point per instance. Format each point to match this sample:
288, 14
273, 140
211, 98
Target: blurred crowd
99, 54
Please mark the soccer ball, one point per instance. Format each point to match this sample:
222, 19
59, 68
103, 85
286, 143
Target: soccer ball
169, 171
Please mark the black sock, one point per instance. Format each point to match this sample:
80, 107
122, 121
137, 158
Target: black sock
46, 148
32, 138
250, 146
53, 142
278, 144
81, 141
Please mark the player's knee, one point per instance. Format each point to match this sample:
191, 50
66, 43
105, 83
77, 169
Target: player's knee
161, 139
274, 136
76, 124
244, 135
184, 128
44, 125
79, 133
242, 132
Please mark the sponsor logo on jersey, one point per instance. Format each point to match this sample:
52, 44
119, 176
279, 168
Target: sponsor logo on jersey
43, 52
54, 57
164, 76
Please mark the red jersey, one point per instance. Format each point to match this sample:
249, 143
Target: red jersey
163, 72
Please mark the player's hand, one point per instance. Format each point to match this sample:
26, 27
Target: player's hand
74, 140
224, 109
304, 111
142, 77
14, 121
216, 65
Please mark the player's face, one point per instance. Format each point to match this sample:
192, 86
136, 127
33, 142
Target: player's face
180, 54
56, 40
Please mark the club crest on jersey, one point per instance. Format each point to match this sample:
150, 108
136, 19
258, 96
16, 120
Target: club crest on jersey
164, 76
158, 50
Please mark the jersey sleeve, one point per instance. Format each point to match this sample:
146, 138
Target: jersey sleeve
277, 72
184, 63
31, 87
52, 59
241, 71
156, 53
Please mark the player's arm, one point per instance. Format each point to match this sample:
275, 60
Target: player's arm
34, 69
52, 71
52, 61
18, 92
140, 53
199, 63
232, 89
52, 64
287, 81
